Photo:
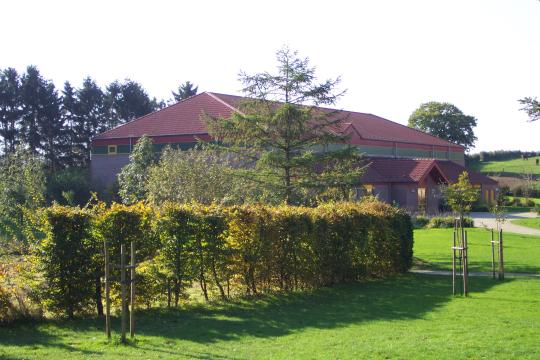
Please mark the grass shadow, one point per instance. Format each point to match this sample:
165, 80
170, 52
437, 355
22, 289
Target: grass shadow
403, 297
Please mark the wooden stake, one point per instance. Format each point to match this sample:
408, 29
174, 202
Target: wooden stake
492, 254
465, 263
132, 297
107, 292
123, 292
501, 257
454, 265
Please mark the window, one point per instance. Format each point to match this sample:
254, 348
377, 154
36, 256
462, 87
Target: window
112, 150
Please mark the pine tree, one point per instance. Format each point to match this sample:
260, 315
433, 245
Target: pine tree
10, 108
68, 110
127, 101
298, 149
42, 124
90, 119
185, 90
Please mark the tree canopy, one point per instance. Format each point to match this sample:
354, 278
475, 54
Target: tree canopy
185, 90
445, 121
289, 146
532, 107
133, 177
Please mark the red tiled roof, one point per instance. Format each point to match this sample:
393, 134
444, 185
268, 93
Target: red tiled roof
389, 170
184, 118
453, 170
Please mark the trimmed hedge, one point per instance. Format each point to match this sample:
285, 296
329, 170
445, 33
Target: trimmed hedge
225, 250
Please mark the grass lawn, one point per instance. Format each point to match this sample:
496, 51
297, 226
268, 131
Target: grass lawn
514, 167
533, 223
409, 316
521, 252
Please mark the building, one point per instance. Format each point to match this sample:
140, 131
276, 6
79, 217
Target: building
407, 165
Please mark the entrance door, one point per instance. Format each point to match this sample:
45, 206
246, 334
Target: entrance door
422, 200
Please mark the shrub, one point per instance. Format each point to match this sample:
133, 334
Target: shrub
247, 249
66, 258
448, 222
420, 221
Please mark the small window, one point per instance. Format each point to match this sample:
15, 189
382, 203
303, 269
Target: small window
112, 150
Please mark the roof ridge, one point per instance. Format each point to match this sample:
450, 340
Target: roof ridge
146, 115
215, 97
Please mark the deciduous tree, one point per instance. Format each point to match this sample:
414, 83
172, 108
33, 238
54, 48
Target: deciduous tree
133, 177
445, 121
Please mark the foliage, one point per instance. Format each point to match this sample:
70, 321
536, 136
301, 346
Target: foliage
66, 260
445, 121
461, 195
201, 175
420, 221
22, 186
225, 250
70, 186
287, 145
133, 177
532, 107
60, 127
500, 155
126, 101
185, 91
10, 108
120, 225
438, 222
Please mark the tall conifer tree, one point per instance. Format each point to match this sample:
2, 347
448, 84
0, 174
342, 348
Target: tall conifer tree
10, 108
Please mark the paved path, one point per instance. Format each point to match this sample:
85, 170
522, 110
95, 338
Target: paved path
487, 219
486, 274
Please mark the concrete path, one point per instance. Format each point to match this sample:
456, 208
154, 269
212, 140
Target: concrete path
487, 219
485, 274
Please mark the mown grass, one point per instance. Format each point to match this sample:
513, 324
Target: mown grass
410, 316
521, 252
515, 167
532, 223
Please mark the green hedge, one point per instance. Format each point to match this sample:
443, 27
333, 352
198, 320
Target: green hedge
224, 250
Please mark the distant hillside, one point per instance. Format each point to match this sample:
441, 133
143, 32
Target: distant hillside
514, 168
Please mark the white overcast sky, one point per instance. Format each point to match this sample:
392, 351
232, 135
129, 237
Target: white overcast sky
392, 55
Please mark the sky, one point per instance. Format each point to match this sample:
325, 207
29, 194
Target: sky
392, 55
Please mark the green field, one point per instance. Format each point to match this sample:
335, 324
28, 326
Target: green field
521, 252
404, 317
533, 223
516, 167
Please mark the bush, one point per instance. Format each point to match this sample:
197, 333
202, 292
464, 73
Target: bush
69, 187
239, 249
480, 208
420, 221
448, 222
66, 258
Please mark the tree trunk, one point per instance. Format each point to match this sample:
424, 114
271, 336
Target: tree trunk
214, 273
99, 303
